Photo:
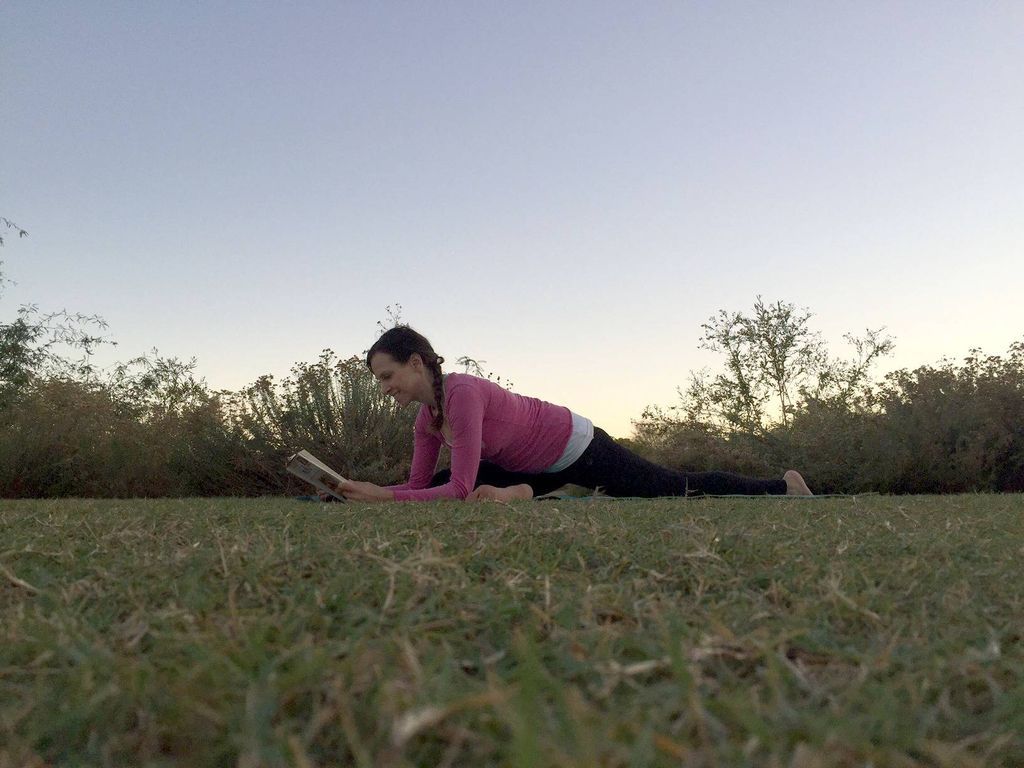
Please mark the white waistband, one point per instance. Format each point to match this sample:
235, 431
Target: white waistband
579, 440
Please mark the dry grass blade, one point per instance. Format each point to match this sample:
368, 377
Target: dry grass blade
412, 723
16, 581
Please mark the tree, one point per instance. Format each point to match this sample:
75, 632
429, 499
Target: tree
774, 364
36, 343
7, 223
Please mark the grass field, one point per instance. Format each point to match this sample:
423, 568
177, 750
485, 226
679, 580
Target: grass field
872, 631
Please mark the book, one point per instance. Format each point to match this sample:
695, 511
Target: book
308, 467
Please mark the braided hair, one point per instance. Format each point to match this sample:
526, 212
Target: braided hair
402, 342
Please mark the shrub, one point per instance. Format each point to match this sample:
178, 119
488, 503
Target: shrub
957, 428
946, 429
66, 438
333, 408
691, 445
152, 429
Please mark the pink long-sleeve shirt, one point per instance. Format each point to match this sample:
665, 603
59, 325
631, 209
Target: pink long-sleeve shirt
520, 434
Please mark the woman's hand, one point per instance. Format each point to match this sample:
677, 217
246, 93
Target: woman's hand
353, 490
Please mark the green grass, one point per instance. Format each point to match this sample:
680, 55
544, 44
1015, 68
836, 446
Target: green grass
881, 631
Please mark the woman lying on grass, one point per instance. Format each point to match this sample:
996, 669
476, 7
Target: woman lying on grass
505, 446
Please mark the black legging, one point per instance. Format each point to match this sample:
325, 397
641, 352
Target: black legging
620, 472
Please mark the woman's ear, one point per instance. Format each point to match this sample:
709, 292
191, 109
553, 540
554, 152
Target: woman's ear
415, 360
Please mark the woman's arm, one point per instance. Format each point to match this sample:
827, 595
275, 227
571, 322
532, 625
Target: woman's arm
426, 447
465, 414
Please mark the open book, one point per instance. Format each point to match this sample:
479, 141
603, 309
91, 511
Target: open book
308, 467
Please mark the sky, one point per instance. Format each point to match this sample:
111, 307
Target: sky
565, 191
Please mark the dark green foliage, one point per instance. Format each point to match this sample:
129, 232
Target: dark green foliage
72, 438
153, 429
880, 631
957, 427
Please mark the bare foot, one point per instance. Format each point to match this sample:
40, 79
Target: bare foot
795, 485
490, 493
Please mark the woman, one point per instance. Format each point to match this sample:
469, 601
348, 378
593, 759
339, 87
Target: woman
506, 446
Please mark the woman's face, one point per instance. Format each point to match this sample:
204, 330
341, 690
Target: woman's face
405, 382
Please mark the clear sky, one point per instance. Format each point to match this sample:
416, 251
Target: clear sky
565, 190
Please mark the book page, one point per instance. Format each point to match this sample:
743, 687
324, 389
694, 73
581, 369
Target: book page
308, 467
